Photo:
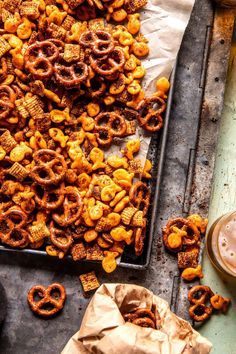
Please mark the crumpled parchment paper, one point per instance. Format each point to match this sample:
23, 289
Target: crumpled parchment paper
104, 331
163, 22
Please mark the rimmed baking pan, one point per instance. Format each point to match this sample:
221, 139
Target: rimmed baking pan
156, 154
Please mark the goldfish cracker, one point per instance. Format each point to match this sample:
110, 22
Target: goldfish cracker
114, 219
108, 100
126, 51
128, 78
24, 30
96, 212
75, 150
200, 222
133, 24
41, 4
115, 5
83, 181
12, 23
132, 147
97, 156
58, 116
87, 220
109, 261
175, 238
122, 174
22, 76
76, 30
104, 206
162, 87
19, 152
2, 153
121, 204
125, 38
90, 235
131, 63
115, 89
119, 15
57, 135
52, 96
134, 88
87, 122
190, 274
37, 141
54, 252
57, 16
146, 169
17, 58
136, 100
108, 192
117, 162
139, 72
103, 180
91, 138
117, 198
13, 40
140, 49
93, 109
120, 234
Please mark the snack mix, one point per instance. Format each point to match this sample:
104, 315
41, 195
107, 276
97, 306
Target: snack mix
70, 87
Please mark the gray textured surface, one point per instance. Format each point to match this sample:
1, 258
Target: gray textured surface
23, 333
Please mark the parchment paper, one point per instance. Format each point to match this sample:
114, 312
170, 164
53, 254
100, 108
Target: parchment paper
163, 22
104, 331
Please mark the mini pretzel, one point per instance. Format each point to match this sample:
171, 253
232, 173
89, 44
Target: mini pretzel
46, 298
150, 118
140, 196
50, 167
71, 208
97, 87
109, 125
39, 58
143, 317
99, 41
12, 222
219, 302
110, 64
49, 199
7, 99
60, 237
192, 237
198, 296
70, 75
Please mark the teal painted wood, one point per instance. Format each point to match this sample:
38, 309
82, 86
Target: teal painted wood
221, 329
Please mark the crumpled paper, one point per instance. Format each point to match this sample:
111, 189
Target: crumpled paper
104, 331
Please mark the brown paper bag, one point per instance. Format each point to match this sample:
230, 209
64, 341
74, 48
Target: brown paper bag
103, 329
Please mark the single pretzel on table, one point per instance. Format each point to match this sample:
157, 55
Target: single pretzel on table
7, 99
71, 208
12, 223
39, 58
139, 195
100, 42
198, 296
150, 116
46, 297
60, 237
50, 167
109, 64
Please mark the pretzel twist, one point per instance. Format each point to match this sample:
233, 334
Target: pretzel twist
46, 298
12, 223
50, 167
39, 58
49, 199
198, 296
70, 75
60, 237
71, 208
100, 42
109, 64
109, 125
140, 196
7, 99
150, 118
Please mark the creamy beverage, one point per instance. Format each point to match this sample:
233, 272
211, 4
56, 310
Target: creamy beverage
221, 244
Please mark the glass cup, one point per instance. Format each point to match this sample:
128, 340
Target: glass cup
221, 244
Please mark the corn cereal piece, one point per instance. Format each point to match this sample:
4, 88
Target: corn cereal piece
71, 52
135, 166
68, 22
34, 106
57, 32
38, 232
4, 46
107, 237
74, 3
18, 171
96, 24
7, 141
127, 215
29, 9
132, 6
21, 108
103, 225
89, 282
138, 220
94, 253
78, 251
11, 5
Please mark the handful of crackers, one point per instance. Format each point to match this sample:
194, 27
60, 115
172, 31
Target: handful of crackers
70, 87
